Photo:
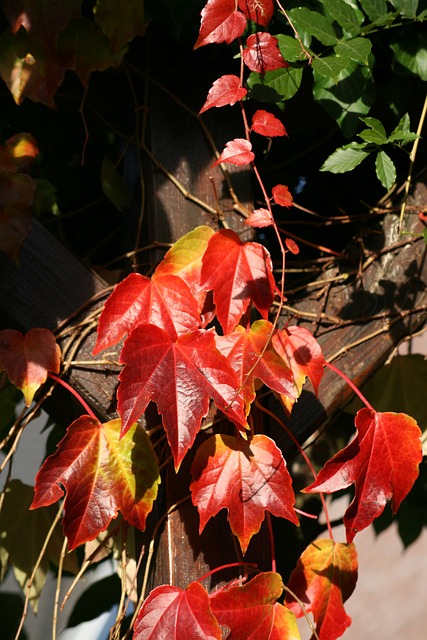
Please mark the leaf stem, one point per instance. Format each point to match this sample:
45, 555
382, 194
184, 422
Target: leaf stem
350, 384
223, 567
74, 393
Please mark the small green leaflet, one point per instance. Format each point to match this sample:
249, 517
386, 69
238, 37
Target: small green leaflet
346, 158
386, 171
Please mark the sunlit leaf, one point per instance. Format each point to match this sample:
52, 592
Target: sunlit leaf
246, 477
267, 124
262, 53
220, 23
237, 151
227, 90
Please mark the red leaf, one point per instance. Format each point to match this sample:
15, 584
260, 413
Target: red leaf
259, 218
237, 151
179, 377
382, 461
245, 350
226, 90
282, 195
292, 246
237, 273
266, 124
165, 301
220, 23
245, 477
262, 53
302, 353
324, 578
177, 614
260, 11
252, 612
27, 359
101, 474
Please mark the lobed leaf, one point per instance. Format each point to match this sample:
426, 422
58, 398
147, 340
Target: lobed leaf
252, 612
179, 377
101, 473
28, 358
382, 462
165, 301
246, 477
324, 578
177, 614
238, 273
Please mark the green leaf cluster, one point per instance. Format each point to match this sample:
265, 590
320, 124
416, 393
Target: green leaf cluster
374, 137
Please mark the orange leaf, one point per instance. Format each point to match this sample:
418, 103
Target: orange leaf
27, 359
247, 477
101, 473
324, 578
282, 196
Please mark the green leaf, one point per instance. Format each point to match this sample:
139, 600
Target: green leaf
290, 48
357, 49
425, 234
347, 16
406, 8
120, 21
114, 186
402, 132
275, 86
376, 133
348, 99
410, 49
313, 24
329, 66
374, 9
23, 535
346, 158
386, 171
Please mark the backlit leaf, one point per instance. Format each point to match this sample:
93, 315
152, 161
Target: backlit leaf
165, 301
28, 358
267, 124
23, 149
120, 21
252, 612
179, 377
101, 473
238, 273
324, 578
259, 218
246, 477
282, 196
177, 614
262, 53
250, 353
220, 23
227, 90
237, 151
260, 11
382, 462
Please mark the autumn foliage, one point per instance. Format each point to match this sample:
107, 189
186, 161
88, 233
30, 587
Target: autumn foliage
198, 338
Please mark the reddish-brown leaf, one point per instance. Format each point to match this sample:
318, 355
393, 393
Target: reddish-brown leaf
165, 301
22, 147
324, 578
171, 613
292, 246
237, 151
266, 124
101, 474
262, 53
220, 23
246, 351
179, 377
259, 218
28, 358
238, 273
247, 477
260, 11
227, 90
302, 353
252, 612
282, 195
382, 462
